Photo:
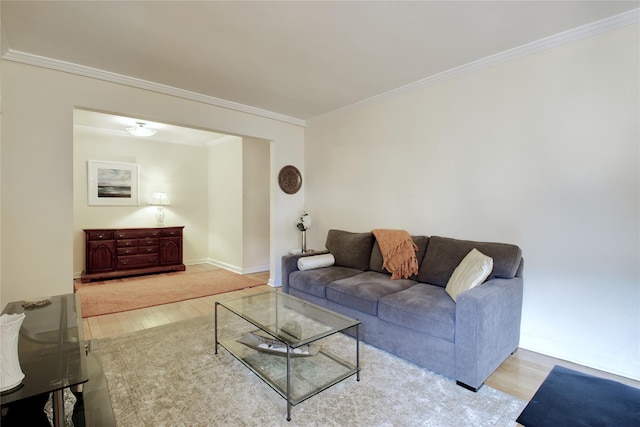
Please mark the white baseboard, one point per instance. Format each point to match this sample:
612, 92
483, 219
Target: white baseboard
196, 261
236, 269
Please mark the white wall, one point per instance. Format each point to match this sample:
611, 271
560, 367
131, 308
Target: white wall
255, 201
543, 152
239, 192
36, 170
178, 170
225, 203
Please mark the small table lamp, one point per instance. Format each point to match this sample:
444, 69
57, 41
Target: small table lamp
160, 199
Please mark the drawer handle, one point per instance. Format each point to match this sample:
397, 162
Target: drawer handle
124, 261
120, 235
152, 259
149, 249
127, 243
100, 236
128, 251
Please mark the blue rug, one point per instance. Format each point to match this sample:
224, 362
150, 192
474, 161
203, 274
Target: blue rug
568, 398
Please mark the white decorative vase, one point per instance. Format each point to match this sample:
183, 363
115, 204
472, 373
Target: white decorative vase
11, 374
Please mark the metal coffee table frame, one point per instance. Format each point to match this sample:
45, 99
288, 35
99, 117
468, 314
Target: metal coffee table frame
269, 312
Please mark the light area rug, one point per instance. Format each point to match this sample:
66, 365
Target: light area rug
108, 297
170, 376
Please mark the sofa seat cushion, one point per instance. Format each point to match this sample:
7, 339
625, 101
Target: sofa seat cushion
314, 281
363, 291
422, 308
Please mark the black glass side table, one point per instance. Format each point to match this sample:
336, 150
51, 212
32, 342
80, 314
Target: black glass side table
51, 350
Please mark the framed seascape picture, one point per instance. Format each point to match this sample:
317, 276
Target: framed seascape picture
112, 183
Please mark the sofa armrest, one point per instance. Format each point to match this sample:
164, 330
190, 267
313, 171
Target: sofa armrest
290, 264
487, 329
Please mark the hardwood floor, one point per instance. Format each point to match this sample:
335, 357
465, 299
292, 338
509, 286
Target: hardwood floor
520, 375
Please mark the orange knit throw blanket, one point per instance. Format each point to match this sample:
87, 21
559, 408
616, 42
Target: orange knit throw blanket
398, 252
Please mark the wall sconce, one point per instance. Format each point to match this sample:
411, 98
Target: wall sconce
160, 199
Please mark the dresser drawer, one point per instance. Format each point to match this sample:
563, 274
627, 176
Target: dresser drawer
100, 235
147, 249
149, 241
137, 233
171, 232
121, 243
127, 251
137, 261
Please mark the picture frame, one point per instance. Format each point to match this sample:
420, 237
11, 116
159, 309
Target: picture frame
112, 183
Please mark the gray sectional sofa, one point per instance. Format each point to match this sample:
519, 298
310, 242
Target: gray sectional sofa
415, 318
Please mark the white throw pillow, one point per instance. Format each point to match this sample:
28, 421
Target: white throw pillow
315, 261
472, 271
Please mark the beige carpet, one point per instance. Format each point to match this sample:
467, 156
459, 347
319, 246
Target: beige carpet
170, 376
146, 291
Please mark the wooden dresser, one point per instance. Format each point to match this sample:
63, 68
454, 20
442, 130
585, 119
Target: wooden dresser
119, 252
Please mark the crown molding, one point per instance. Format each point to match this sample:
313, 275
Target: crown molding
81, 70
569, 36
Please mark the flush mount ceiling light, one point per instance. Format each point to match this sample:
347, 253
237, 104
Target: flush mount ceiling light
141, 130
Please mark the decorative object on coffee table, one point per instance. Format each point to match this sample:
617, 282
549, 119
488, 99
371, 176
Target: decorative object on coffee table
270, 345
290, 179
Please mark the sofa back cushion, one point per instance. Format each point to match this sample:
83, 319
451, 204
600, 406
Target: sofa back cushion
351, 250
444, 254
375, 263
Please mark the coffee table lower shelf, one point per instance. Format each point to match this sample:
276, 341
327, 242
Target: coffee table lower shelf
308, 375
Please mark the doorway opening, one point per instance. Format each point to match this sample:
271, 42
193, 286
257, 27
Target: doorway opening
217, 184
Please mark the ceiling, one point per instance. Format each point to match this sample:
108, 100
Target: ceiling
98, 123
301, 60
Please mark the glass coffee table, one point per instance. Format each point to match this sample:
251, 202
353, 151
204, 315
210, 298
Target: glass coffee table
282, 344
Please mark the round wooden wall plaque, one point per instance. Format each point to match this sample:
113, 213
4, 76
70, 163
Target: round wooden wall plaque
290, 179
